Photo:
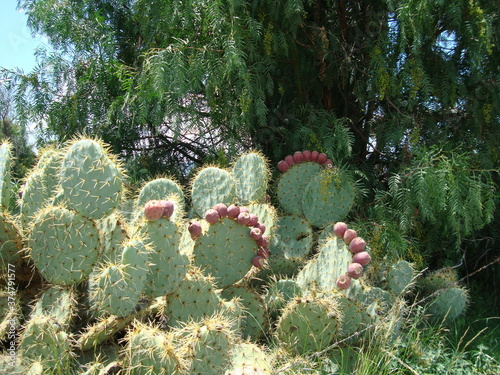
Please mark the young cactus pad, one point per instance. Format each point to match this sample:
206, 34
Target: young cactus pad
160, 189
64, 245
91, 180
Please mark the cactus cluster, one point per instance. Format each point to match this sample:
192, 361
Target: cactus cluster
152, 285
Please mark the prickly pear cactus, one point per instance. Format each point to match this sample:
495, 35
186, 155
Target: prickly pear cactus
309, 324
210, 186
225, 251
251, 176
64, 245
328, 197
449, 304
91, 179
149, 350
399, 277
5, 174
207, 345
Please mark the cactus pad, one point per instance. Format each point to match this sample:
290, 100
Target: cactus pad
64, 245
91, 180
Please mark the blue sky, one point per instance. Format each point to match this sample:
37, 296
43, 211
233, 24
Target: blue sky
17, 46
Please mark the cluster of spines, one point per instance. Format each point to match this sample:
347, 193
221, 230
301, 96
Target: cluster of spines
304, 156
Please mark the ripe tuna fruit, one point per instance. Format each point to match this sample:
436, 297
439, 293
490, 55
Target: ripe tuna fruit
221, 209
289, 159
357, 244
243, 218
195, 229
258, 261
314, 155
254, 220
298, 157
328, 163
354, 270
362, 258
339, 229
307, 155
212, 216
255, 234
168, 208
283, 166
233, 211
153, 210
322, 158
349, 235
344, 282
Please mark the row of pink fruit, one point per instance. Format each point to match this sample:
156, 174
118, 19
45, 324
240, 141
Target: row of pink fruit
304, 156
360, 257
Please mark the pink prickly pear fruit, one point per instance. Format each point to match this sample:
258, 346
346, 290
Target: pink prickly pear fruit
153, 210
298, 157
340, 228
354, 270
349, 235
322, 158
263, 241
212, 216
328, 164
168, 208
244, 209
233, 211
195, 229
357, 244
258, 261
290, 160
314, 155
255, 234
254, 220
362, 258
243, 218
262, 227
344, 282
221, 209
263, 252
283, 166
307, 155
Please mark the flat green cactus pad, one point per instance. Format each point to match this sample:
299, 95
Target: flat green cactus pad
449, 304
212, 185
308, 324
292, 184
64, 245
251, 176
150, 351
91, 181
328, 197
160, 189
225, 251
